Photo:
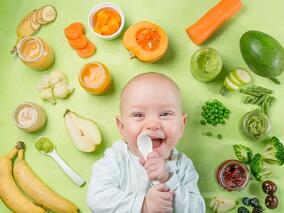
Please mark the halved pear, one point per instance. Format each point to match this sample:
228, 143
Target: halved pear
84, 132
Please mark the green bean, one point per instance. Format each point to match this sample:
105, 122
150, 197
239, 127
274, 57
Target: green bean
262, 89
261, 99
247, 99
256, 94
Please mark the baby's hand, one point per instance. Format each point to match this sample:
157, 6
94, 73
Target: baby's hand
159, 199
155, 167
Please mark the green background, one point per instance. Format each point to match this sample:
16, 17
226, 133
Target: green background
19, 83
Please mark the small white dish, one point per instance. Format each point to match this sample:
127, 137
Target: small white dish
100, 6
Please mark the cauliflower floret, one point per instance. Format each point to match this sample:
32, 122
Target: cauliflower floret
56, 76
44, 82
61, 90
46, 94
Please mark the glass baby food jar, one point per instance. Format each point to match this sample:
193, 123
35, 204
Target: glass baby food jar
232, 175
254, 125
29, 117
35, 53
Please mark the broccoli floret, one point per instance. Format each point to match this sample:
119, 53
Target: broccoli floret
274, 152
259, 168
243, 153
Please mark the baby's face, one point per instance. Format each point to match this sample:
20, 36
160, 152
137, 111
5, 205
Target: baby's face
152, 106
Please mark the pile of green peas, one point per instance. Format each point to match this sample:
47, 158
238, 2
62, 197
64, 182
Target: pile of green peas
214, 112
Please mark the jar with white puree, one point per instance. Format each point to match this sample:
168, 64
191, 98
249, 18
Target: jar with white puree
29, 117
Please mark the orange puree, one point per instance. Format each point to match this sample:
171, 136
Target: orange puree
35, 53
31, 49
95, 78
106, 21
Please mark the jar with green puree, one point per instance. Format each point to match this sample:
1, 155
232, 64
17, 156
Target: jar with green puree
254, 125
206, 64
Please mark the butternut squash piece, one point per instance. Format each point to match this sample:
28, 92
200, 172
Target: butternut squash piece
146, 41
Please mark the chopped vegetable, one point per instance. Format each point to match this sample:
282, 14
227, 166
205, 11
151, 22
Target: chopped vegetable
214, 112
75, 34
87, 51
55, 85
274, 152
243, 153
79, 43
259, 168
74, 30
234, 80
208, 24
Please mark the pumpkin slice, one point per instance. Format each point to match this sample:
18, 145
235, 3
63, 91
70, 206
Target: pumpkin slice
146, 41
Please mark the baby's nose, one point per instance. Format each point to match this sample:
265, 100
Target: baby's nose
152, 125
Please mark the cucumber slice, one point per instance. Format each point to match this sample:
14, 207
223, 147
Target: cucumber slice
230, 85
233, 79
242, 75
48, 13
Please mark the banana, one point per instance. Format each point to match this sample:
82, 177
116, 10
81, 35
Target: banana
32, 22
37, 190
9, 191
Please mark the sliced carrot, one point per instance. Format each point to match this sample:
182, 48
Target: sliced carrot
79, 43
74, 30
87, 51
213, 20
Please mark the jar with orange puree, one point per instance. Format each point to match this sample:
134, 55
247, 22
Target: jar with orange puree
95, 78
35, 53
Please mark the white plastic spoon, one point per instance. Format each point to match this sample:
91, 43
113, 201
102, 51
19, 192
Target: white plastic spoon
144, 144
52, 153
70, 172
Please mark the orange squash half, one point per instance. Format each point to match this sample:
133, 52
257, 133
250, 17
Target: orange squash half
146, 41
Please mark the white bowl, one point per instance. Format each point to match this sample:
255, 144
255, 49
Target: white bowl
100, 6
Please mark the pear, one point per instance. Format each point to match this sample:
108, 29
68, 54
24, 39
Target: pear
222, 205
84, 132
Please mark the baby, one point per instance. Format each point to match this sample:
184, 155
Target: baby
150, 103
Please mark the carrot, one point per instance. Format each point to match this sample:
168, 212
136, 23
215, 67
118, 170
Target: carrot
209, 23
74, 30
87, 51
79, 43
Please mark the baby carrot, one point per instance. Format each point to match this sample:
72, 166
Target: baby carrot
209, 23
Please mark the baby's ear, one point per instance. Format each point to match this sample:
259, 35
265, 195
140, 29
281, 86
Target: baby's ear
119, 124
184, 121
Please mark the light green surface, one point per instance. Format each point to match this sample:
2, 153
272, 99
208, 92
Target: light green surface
18, 84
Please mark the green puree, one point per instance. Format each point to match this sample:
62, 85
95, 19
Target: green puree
256, 125
206, 64
44, 144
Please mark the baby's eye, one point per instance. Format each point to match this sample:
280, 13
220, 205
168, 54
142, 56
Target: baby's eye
137, 115
165, 114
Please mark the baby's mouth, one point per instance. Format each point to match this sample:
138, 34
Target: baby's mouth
157, 142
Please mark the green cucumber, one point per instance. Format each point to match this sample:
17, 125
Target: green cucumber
262, 53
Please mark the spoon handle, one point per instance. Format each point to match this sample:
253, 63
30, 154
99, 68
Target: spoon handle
70, 172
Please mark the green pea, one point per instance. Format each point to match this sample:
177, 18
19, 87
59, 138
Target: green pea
222, 121
203, 122
219, 136
209, 133
226, 115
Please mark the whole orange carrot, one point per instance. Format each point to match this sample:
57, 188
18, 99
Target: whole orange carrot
209, 23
